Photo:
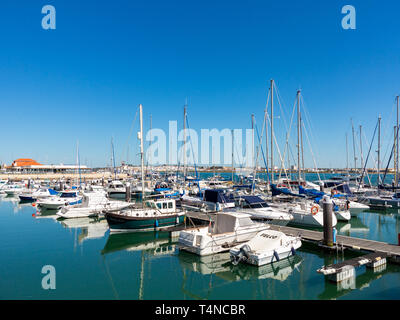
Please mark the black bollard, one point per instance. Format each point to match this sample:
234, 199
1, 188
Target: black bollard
328, 230
128, 192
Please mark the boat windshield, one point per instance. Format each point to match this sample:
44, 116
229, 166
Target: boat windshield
255, 205
68, 195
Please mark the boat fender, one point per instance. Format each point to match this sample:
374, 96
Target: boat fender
276, 255
347, 205
177, 220
293, 251
156, 223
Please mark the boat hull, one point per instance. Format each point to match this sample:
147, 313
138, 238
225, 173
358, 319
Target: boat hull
120, 223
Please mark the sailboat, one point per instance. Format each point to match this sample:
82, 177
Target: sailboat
155, 214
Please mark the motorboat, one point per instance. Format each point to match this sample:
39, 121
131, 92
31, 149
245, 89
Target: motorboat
156, 214
265, 247
226, 230
116, 189
305, 213
64, 198
93, 204
33, 195
261, 211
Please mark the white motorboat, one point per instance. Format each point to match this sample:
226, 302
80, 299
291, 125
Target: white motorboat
305, 213
116, 189
225, 231
261, 211
266, 247
93, 204
15, 189
33, 195
64, 198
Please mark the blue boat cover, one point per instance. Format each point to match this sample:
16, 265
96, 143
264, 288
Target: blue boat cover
277, 191
311, 192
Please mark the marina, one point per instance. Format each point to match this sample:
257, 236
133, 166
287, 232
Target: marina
90, 246
200, 151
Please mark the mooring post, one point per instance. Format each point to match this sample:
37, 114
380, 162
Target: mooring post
128, 192
328, 230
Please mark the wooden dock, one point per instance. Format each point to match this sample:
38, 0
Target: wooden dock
391, 250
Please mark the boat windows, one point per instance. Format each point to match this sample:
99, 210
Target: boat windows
164, 205
159, 206
243, 222
170, 205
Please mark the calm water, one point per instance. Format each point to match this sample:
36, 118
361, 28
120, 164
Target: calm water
92, 264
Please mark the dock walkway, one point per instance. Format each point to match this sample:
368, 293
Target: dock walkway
391, 250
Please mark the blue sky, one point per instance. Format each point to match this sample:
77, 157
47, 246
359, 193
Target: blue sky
84, 80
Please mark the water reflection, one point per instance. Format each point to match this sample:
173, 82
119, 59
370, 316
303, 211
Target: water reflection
90, 228
221, 266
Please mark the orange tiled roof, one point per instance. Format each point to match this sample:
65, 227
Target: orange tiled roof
25, 162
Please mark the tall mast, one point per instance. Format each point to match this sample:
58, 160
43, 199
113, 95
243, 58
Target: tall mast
232, 154
347, 155
184, 140
272, 130
397, 145
266, 140
354, 147
298, 136
252, 137
379, 150
361, 152
141, 150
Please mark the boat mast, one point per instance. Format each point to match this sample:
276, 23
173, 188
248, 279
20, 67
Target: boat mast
361, 153
252, 137
141, 150
232, 155
266, 141
397, 145
347, 156
272, 130
184, 140
379, 149
354, 147
298, 136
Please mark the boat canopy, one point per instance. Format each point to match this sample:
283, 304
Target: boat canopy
229, 222
311, 192
278, 191
217, 195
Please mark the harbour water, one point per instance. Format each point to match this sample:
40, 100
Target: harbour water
92, 264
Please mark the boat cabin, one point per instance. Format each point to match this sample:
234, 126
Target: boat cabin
114, 185
162, 205
229, 222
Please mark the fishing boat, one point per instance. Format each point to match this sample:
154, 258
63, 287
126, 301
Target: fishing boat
226, 230
266, 247
155, 214
64, 198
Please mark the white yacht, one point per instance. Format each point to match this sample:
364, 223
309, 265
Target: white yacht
266, 247
64, 198
261, 211
116, 189
93, 204
225, 231
305, 213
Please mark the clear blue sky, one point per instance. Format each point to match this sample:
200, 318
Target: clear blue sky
84, 80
